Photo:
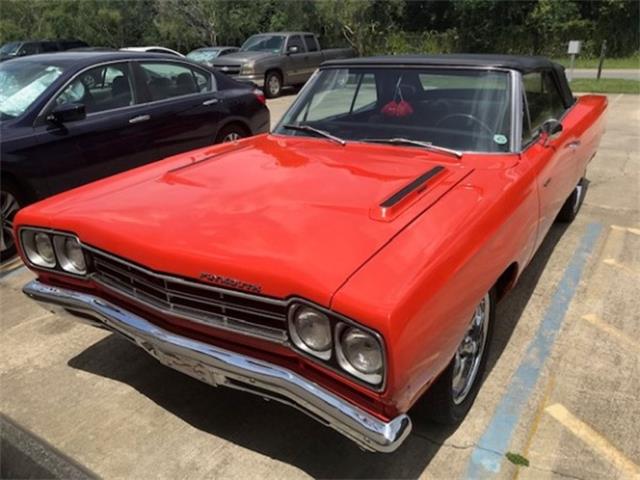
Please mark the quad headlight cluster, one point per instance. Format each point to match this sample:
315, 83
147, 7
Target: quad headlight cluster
53, 250
338, 343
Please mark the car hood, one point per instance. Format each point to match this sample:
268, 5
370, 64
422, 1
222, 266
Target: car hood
241, 58
291, 215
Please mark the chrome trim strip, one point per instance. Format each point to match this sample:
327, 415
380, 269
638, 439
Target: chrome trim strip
206, 318
516, 111
217, 366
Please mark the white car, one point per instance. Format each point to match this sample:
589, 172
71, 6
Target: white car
154, 49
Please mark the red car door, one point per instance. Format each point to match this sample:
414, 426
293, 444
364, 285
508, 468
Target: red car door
553, 156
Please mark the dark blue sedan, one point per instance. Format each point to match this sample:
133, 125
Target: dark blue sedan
67, 119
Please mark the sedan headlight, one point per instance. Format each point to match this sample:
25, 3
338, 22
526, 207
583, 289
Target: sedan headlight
310, 331
70, 254
360, 353
38, 248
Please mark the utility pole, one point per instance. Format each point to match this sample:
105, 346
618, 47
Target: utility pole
603, 52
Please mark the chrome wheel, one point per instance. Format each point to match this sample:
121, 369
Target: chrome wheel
8, 208
578, 197
469, 354
231, 137
273, 84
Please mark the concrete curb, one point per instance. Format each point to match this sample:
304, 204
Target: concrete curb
23, 455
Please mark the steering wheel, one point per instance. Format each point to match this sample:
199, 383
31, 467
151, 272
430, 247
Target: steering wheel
468, 116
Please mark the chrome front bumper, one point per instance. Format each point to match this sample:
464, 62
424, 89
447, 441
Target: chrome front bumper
216, 366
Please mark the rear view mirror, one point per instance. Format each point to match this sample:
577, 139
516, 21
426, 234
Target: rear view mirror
67, 112
552, 127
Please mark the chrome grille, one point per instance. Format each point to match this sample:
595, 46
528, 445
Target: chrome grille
240, 312
228, 69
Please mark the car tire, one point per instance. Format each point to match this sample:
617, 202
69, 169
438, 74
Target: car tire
451, 396
11, 201
231, 133
272, 84
573, 203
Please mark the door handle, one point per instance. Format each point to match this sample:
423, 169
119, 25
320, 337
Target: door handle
573, 145
211, 101
547, 182
140, 119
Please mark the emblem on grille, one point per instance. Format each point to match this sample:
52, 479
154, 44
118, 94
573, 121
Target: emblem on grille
230, 282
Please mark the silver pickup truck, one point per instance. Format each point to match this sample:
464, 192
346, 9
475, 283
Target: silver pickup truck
273, 60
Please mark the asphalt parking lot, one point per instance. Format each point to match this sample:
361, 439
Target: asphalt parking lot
561, 392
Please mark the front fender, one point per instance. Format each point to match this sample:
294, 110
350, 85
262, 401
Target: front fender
420, 290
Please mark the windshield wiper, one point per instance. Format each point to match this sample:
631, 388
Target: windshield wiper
308, 128
417, 143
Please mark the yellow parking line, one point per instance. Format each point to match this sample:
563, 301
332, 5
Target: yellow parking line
614, 263
619, 228
615, 100
613, 331
594, 440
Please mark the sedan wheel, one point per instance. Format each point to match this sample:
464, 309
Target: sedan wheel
231, 137
9, 206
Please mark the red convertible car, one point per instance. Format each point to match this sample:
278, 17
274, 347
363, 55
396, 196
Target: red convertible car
347, 263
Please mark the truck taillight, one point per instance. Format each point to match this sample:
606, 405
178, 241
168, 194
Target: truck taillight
260, 96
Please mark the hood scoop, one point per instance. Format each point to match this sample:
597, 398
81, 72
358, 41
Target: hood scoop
427, 187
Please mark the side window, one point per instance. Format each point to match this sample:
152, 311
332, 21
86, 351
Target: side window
168, 80
544, 102
367, 94
310, 42
29, 49
100, 89
49, 47
295, 41
341, 95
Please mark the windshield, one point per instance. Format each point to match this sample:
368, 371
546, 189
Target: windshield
9, 48
21, 83
203, 55
459, 109
263, 43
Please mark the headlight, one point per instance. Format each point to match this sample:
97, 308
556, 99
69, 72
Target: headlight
246, 69
70, 254
360, 353
311, 331
38, 248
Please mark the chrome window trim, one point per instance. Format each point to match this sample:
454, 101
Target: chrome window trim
536, 137
513, 88
40, 118
516, 111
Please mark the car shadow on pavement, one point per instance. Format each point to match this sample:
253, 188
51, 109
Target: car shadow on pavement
280, 431
511, 306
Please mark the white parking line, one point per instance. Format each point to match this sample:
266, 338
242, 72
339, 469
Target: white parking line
596, 441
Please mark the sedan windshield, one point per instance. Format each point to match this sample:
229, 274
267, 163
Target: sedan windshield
263, 43
458, 109
201, 56
10, 48
21, 83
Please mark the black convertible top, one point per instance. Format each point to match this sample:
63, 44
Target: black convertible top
521, 63
516, 62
